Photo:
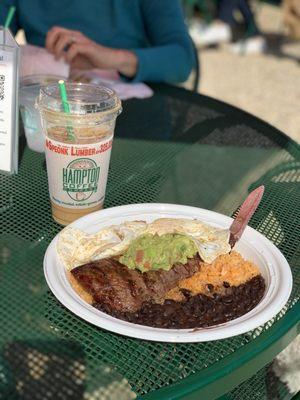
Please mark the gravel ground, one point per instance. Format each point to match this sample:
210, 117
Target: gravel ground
266, 85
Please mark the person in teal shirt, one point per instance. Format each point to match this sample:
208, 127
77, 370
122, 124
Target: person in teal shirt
144, 40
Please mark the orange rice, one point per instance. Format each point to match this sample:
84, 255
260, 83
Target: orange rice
230, 268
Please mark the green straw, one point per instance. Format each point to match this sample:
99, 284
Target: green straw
66, 107
9, 16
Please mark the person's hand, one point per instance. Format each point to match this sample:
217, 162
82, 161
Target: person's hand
59, 39
77, 49
83, 53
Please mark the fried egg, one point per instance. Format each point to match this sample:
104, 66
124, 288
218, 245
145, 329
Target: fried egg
76, 247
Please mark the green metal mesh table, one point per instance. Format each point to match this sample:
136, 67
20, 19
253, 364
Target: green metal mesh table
176, 147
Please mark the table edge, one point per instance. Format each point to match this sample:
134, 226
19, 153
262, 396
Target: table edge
232, 370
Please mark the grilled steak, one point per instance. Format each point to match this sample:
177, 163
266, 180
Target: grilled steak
118, 288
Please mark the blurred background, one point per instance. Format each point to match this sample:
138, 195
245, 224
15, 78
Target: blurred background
253, 62
262, 78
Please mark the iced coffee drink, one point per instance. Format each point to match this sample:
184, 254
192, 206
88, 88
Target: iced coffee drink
77, 146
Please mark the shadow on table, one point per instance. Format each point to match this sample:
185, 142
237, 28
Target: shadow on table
39, 370
179, 147
147, 119
22, 146
177, 115
22, 139
46, 352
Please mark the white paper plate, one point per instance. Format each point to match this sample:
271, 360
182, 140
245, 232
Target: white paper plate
253, 246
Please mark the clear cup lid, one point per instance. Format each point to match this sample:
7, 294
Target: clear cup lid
30, 85
39, 80
83, 98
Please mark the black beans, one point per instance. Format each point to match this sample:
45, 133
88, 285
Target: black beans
210, 287
227, 300
186, 293
199, 310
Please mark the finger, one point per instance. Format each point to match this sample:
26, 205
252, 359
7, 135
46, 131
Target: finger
74, 50
61, 44
81, 38
81, 63
52, 37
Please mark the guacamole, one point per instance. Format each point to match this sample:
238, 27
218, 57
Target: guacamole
152, 252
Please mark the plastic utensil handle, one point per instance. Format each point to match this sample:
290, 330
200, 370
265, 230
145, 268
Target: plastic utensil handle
247, 209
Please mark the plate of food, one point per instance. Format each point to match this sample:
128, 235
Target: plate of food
169, 273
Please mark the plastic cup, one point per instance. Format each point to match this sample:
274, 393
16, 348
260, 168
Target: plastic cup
77, 167
29, 91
